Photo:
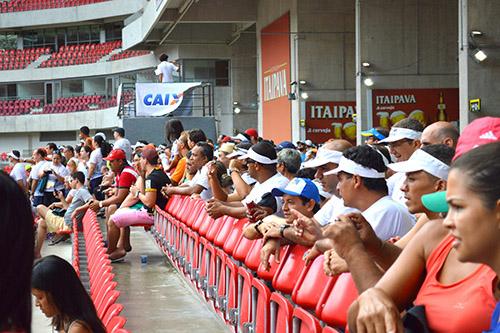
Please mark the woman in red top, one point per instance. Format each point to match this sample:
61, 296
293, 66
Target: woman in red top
458, 296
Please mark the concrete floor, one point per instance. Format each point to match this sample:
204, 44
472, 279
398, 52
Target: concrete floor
156, 298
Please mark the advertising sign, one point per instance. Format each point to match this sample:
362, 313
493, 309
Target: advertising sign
426, 105
158, 99
276, 108
330, 120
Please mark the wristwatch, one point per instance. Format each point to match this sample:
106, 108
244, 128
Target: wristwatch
282, 229
256, 226
234, 170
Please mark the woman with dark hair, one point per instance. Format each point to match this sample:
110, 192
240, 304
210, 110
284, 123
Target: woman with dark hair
450, 273
473, 219
173, 130
17, 243
61, 296
101, 150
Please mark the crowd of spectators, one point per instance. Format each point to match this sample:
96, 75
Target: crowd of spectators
413, 213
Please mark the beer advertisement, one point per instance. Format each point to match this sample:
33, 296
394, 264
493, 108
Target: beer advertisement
330, 120
426, 105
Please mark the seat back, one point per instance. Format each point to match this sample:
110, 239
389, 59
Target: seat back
343, 294
306, 293
290, 270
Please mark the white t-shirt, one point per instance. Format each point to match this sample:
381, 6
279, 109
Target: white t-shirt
18, 172
259, 189
96, 159
82, 167
167, 69
201, 178
333, 208
124, 145
174, 150
35, 174
52, 181
394, 184
247, 178
388, 218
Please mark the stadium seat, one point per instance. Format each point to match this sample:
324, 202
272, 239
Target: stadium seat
306, 293
280, 310
334, 310
304, 322
289, 272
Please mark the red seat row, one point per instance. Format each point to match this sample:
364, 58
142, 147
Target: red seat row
80, 54
18, 107
225, 268
102, 285
25, 5
128, 54
72, 104
20, 59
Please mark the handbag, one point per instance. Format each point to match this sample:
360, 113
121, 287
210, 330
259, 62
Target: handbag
415, 320
59, 212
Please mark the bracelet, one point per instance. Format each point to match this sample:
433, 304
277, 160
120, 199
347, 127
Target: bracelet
282, 230
235, 170
256, 226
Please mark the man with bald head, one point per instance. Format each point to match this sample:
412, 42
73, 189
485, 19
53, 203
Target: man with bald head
440, 132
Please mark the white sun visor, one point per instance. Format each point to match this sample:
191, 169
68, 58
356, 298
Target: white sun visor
323, 157
349, 166
398, 133
422, 161
237, 152
257, 157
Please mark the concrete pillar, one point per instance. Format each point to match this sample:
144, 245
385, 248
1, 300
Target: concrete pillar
463, 63
479, 79
102, 36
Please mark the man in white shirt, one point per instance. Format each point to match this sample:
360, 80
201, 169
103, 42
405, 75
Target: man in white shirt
18, 172
403, 140
201, 154
362, 185
261, 161
39, 156
166, 69
122, 143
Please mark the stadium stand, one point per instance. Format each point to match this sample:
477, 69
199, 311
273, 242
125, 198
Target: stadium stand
80, 54
128, 54
222, 265
18, 107
26, 5
72, 104
20, 59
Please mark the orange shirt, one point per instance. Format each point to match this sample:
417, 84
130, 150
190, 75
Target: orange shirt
463, 306
179, 170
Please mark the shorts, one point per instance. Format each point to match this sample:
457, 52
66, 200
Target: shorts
55, 223
37, 200
126, 217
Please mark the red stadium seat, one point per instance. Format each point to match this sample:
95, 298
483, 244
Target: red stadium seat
304, 322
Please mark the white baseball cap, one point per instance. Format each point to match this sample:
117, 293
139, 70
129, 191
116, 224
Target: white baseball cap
323, 157
422, 161
398, 133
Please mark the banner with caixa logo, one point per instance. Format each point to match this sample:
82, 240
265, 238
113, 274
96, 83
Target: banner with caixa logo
159, 99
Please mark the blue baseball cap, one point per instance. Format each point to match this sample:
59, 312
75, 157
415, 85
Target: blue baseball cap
285, 144
373, 132
302, 187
